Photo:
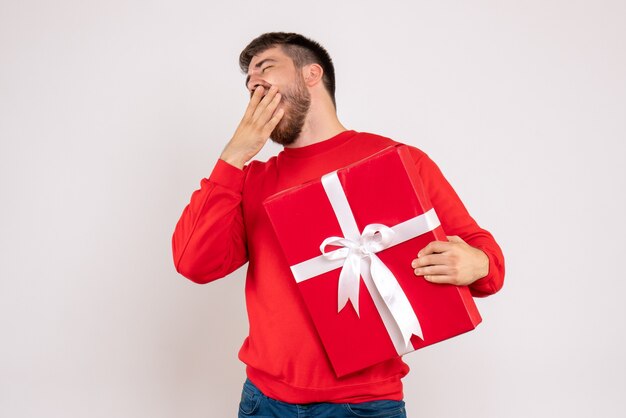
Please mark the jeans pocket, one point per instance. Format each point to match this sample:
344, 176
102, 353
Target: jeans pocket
249, 403
377, 409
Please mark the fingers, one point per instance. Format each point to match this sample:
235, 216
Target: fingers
433, 270
259, 102
256, 97
436, 267
436, 263
267, 105
278, 115
430, 260
443, 279
265, 111
435, 247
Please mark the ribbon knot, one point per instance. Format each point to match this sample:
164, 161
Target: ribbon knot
375, 238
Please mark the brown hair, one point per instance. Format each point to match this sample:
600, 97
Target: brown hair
301, 50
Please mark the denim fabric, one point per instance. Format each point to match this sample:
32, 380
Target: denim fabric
255, 404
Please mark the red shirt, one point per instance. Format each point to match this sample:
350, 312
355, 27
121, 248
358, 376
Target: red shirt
225, 225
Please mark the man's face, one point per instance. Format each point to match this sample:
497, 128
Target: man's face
274, 68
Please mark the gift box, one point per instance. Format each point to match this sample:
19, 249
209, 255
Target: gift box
349, 239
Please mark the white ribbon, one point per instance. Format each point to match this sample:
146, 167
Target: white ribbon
357, 258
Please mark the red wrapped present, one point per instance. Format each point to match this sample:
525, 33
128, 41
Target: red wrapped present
349, 239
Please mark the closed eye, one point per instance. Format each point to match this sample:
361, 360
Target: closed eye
266, 68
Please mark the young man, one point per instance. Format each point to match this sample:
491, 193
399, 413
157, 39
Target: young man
292, 84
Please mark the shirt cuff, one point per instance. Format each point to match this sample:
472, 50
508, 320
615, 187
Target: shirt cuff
227, 175
489, 284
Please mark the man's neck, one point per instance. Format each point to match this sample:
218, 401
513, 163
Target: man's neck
319, 126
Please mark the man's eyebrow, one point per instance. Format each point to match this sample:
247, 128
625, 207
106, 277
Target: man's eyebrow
259, 65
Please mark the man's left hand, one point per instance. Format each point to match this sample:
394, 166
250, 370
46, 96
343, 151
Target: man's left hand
454, 262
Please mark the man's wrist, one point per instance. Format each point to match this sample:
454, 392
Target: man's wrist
234, 160
482, 269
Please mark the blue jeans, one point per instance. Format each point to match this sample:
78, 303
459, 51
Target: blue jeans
255, 404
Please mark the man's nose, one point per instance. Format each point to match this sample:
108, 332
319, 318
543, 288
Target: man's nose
256, 82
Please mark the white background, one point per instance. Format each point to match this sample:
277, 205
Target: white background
111, 113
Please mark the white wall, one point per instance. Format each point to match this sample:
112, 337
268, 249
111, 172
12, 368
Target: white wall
112, 112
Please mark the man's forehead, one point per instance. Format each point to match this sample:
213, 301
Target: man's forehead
274, 53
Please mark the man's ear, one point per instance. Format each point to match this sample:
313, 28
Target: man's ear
312, 74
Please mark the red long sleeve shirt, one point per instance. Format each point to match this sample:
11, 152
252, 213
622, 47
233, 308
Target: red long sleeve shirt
225, 225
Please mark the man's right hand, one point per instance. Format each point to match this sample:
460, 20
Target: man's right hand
254, 130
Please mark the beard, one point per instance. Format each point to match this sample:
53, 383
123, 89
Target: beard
296, 102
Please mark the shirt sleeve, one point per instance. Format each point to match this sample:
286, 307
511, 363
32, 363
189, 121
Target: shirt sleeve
456, 220
209, 240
